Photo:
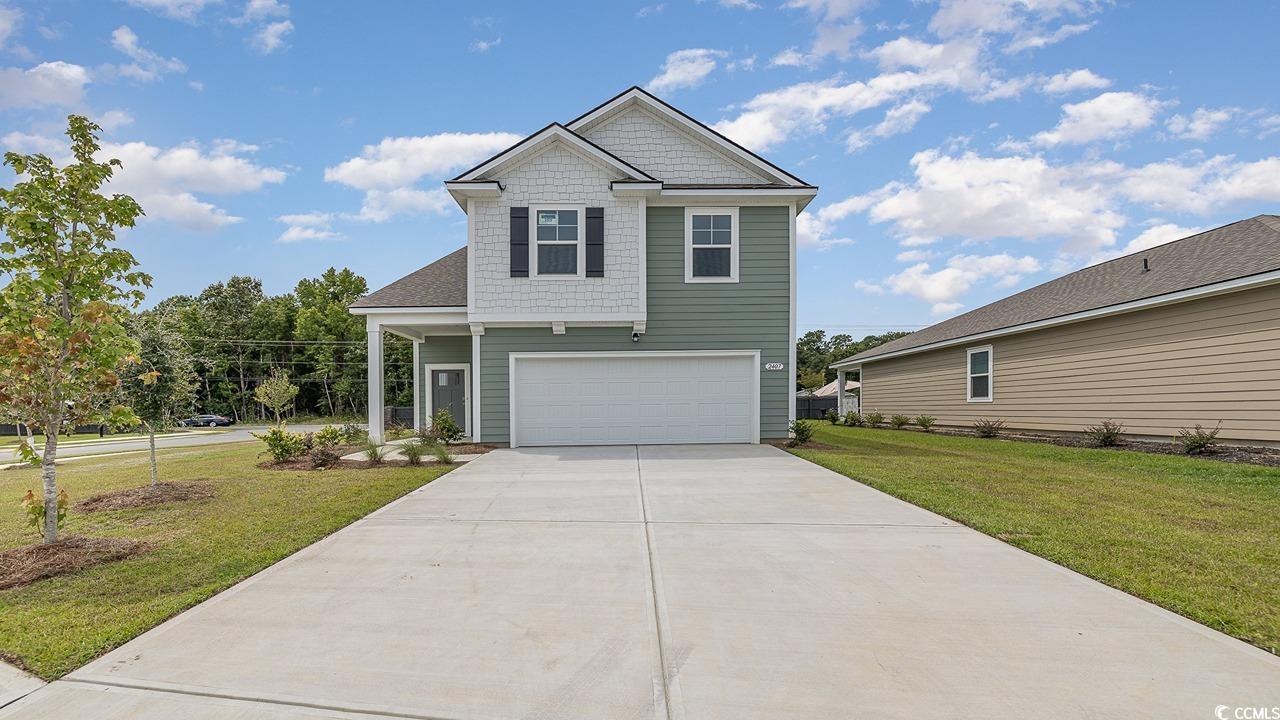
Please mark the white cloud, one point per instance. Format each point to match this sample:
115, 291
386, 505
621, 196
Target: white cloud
814, 228
482, 46
147, 65
1073, 80
685, 68
985, 198
259, 10
10, 19
195, 85
868, 288
185, 10
308, 226
790, 57
914, 256
29, 143
1201, 187
1108, 116
388, 171
837, 26
747, 64
113, 120
1035, 41
1203, 123
270, 37
994, 17
1268, 125
1151, 237
648, 10
740, 4
942, 287
54, 83
898, 119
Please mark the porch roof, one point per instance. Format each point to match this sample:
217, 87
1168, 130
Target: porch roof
443, 283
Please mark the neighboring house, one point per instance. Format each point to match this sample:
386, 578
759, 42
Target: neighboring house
848, 399
629, 277
1162, 339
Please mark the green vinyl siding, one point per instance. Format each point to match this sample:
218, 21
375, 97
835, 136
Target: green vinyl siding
440, 350
752, 314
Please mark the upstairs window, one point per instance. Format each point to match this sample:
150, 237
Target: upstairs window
980, 374
557, 233
711, 245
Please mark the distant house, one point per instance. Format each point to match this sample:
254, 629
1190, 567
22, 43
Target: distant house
1180, 334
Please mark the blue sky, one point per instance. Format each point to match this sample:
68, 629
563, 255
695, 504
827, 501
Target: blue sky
965, 149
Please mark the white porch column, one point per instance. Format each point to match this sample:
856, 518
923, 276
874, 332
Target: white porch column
417, 386
376, 424
840, 392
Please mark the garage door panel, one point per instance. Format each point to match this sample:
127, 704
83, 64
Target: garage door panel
641, 399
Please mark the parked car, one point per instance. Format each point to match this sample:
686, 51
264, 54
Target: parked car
207, 421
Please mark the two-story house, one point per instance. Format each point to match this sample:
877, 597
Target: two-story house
629, 277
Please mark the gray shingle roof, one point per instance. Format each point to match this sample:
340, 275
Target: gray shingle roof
1241, 249
443, 283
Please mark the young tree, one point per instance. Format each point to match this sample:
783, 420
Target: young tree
61, 337
160, 385
276, 392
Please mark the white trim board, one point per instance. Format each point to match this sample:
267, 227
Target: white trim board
514, 357
1229, 286
429, 399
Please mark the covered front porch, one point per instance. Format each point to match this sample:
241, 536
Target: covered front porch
444, 357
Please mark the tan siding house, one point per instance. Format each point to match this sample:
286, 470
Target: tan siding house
1201, 352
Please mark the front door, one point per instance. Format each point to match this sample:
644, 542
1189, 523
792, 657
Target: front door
449, 391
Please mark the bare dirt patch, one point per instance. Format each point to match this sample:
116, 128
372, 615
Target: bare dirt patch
25, 565
147, 496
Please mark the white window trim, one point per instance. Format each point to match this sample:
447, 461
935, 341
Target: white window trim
533, 240
430, 400
689, 212
990, 373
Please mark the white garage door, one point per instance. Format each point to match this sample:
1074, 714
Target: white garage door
633, 398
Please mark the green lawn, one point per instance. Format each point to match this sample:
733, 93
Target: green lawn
256, 518
1196, 536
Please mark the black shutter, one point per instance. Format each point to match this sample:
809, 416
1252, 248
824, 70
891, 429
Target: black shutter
519, 242
595, 242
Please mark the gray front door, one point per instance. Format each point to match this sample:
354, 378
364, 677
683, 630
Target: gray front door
449, 391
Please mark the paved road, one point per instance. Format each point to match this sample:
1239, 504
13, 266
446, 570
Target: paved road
733, 582
238, 433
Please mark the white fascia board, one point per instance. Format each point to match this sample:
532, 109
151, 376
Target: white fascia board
441, 310
635, 95
404, 316
629, 189
464, 191
546, 318
800, 197
547, 134
1229, 286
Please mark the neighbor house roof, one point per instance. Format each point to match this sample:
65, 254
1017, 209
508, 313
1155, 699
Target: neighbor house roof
443, 283
1239, 250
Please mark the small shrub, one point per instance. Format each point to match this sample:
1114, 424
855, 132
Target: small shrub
373, 452
441, 453
832, 417
899, 421
328, 437
853, 419
308, 442
282, 445
926, 422
988, 427
801, 433
874, 418
1198, 440
443, 427
323, 457
413, 451
34, 508
353, 434
1105, 434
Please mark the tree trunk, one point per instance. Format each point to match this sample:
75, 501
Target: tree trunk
151, 436
327, 397
49, 475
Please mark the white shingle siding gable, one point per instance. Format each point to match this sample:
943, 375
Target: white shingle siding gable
556, 175
666, 152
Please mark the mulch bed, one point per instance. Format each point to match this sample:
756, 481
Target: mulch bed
146, 496
304, 463
1245, 454
25, 565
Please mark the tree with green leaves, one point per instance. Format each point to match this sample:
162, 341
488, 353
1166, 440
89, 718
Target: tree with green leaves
327, 327
276, 392
160, 385
62, 337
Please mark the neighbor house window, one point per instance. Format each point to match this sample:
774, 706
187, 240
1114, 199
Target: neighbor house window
711, 245
980, 374
557, 233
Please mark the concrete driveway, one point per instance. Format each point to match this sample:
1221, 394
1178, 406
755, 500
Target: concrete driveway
663, 582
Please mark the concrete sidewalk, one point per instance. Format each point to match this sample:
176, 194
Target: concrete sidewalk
730, 582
